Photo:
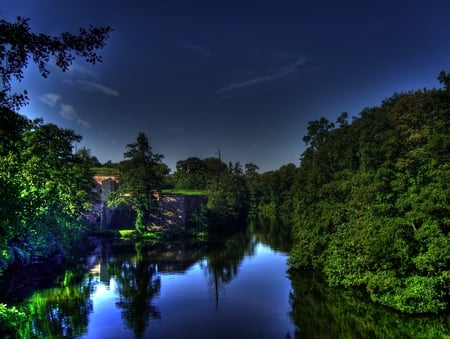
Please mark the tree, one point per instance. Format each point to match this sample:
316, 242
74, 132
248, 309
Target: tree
43, 185
372, 201
141, 176
191, 174
18, 44
44, 189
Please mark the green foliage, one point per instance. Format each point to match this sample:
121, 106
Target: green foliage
44, 190
270, 192
11, 319
19, 44
371, 202
198, 174
349, 314
141, 176
415, 294
184, 192
44, 186
228, 204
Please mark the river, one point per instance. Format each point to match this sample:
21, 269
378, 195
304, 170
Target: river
235, 287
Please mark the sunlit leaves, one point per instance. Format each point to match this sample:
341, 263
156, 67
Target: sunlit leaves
380, 218
44, 189
141, 176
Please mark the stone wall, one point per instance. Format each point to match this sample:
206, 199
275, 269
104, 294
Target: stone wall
172, 209
175, 210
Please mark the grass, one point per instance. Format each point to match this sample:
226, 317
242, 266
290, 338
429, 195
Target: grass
184, 192
126, 234
105, 171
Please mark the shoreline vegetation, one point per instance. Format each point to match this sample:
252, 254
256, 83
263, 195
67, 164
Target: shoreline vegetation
369, 202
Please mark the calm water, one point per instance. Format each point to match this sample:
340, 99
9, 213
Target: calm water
238, 287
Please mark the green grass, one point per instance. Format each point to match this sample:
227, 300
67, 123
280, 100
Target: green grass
126, 234
105, 171
184, 192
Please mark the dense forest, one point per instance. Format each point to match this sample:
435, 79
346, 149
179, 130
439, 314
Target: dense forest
369, 201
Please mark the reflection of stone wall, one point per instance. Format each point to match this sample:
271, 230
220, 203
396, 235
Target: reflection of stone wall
175, 210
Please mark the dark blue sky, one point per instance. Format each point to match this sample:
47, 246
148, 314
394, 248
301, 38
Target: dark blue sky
244, 76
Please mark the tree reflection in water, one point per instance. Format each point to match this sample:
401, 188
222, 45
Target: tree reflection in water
320, 311
224, 260
137, 284
58, 312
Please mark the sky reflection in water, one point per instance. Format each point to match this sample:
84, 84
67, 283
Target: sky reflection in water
196, 304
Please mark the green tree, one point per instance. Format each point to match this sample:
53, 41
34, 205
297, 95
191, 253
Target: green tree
45, 189
191, 174
141, 176
371, 201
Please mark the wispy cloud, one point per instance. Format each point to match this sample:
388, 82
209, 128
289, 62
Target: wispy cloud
83, 123
68, 112
200, 49
82, 71
50, 99
95, 86
270, 77
108, 136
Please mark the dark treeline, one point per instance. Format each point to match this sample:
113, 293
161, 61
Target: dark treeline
371, 201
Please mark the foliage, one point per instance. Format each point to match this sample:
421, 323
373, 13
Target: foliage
141, 176
11, 319
348, 313
198, 174
227, 204
184, 192
371, 201
45, 189
44, 186
18, 44
272, 192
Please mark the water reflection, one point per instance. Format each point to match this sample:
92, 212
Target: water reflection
237, 286
224, 259
274, 232
320, 311
137, 285
61, 312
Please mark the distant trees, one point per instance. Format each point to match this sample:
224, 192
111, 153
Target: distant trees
191, 173
371, 201
198, 174
141, 176
273, 192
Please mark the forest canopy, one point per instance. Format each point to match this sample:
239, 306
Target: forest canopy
372, 201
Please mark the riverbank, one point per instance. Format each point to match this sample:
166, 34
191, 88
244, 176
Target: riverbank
233, 286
